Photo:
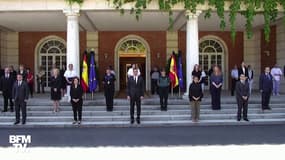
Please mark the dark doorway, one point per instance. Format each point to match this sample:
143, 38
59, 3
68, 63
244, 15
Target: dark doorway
125, 64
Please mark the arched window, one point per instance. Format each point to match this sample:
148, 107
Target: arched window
211, 53
132, 47
51, 52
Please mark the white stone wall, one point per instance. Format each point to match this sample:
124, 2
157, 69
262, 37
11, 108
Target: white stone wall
10, 49
171, 43
280, 50
252, 55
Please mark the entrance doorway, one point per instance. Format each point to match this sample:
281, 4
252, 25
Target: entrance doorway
125, 64
131, 49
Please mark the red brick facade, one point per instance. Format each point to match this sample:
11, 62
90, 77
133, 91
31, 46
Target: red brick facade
235, 50
108, 40
29, 40
157, 43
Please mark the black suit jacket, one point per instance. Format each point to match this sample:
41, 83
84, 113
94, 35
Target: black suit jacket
20, 93
135, 89
242, 90
240, 71
2, 72
6, 85
76, 93
265, 83
24, 74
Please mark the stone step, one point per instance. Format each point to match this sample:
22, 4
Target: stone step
149, 101
147, 107
103, 112
145, 123
145, 117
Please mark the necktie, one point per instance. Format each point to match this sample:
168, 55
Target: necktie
136, 79
19, 83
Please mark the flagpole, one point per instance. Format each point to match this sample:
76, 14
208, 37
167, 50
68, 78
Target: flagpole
179, 92
172, 91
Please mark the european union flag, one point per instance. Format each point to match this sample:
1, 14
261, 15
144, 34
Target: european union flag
180, 71
92, 73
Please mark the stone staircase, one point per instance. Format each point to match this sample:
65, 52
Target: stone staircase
39, 113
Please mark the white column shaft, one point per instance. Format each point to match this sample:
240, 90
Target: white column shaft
192, 46
73, 56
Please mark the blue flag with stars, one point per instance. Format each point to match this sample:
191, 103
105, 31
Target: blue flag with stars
92, 73
180, 71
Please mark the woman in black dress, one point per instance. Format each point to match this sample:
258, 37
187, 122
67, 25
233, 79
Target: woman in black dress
76, 93
55, 85
196, 72
63, 80
109, 89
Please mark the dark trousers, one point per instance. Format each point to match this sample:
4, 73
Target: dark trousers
216, 97
40, 84
31, 88
7, 97
109, 97
242, 107
23, 107
233, 87
163, 95
265, 98
135, 100
153, 86
77, 110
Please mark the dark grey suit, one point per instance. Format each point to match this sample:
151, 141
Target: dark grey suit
20, 94
265, 85
242, 90
135, 91
6, 85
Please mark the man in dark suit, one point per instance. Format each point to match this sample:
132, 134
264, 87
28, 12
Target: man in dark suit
243, 70
20, 94
23, 72
265, 87
6, 85
242, 95
135, 94
1, 71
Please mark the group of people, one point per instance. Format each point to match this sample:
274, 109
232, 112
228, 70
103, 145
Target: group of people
17, 85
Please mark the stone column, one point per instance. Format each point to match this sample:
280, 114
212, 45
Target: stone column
192, 45
72, 55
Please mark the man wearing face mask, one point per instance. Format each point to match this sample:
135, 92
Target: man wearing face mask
242, 95
265, 87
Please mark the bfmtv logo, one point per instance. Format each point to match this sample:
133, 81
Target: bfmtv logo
20, 141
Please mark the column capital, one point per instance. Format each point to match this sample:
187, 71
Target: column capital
191, 15
71, 11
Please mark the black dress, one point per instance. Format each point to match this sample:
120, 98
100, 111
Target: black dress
76, 93
55, 83
109, 90
197, 74
63, 80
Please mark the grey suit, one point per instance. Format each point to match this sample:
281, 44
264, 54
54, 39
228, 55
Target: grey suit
20, 94
242, 90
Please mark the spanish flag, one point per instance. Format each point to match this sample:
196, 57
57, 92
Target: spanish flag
84, 74
173, 72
